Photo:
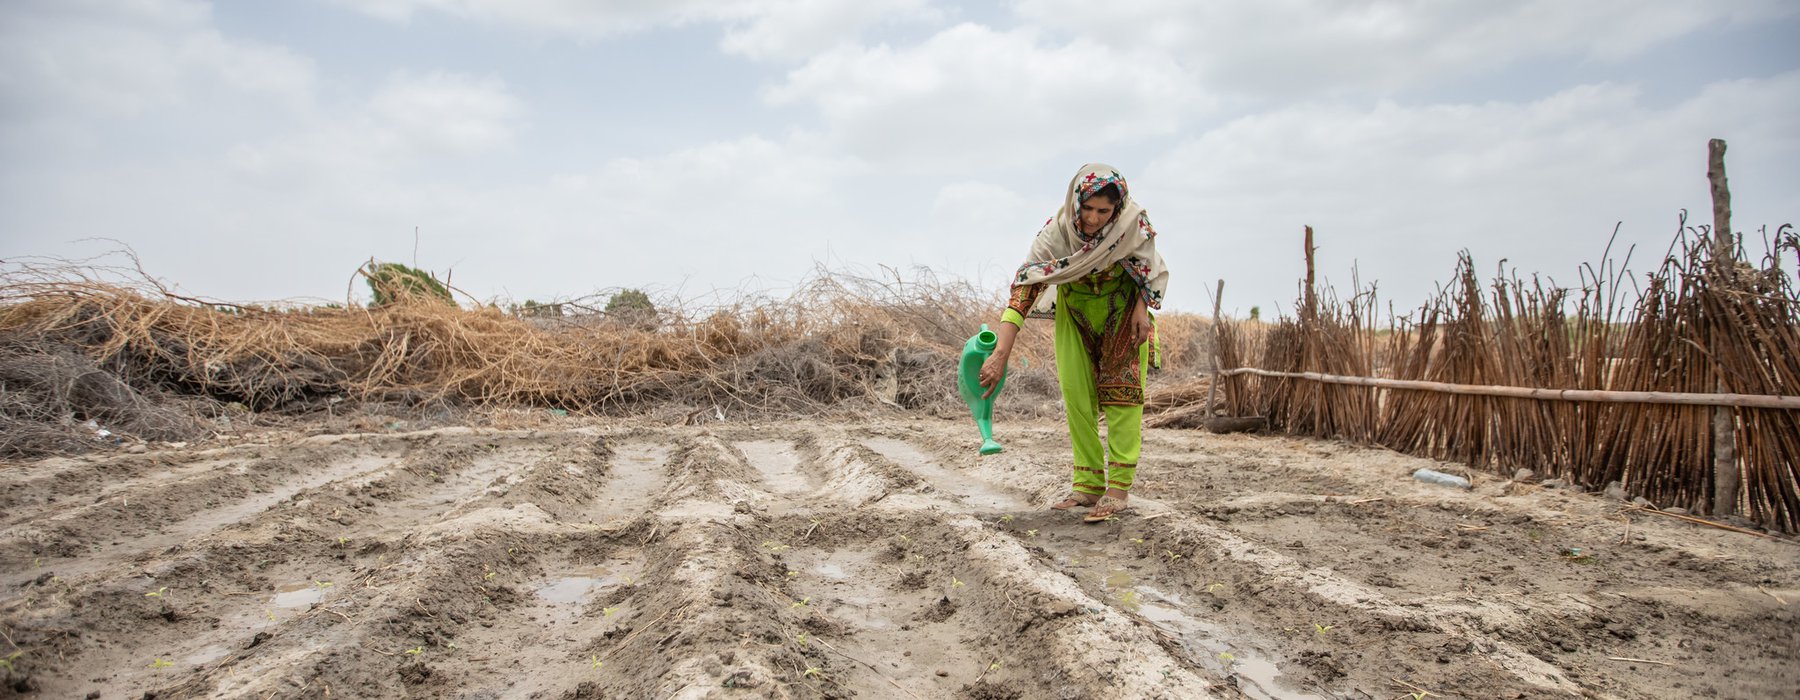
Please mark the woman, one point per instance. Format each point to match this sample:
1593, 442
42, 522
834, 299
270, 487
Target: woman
1094, 267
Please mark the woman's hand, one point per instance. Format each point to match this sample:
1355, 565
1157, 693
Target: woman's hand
992, 371
1140, 323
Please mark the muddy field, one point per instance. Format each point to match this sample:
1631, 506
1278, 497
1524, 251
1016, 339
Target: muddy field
883, 559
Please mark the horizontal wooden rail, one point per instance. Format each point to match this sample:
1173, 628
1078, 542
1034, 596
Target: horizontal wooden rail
1525, 392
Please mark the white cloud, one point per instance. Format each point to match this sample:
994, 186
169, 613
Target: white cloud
84, 58
970, 95
1400, 189
781, 29
1303, 47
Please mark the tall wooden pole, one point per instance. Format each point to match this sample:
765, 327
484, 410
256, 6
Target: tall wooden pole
1724, 260
1218, 336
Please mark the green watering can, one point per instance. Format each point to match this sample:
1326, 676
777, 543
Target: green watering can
968, 383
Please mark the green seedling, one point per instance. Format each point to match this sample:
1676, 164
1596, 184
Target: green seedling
1226, 655
1418, 695
489, 576
627, 579
7, 663
1172, 555
1031, 533
800, 639
904, 538
813, 671
160, 664
1322, 628
1137, 540
271, 614
343, 541
37, 563
918, 557
1074, 562
321, 585
1534, 535
157, 593
607, 612
955, 582
416, 651
1214, 587
1129, 599
595, 662
1006, 518
994, 666
792, 574
451, 646
774, 546
801, 603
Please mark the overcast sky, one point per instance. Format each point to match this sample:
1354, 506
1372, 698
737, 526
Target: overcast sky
261, 150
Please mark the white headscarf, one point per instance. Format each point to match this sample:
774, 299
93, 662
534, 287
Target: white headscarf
1060, 253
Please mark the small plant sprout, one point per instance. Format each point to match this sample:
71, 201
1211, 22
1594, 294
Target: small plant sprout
451, 646
608, 612
343, 541
1214, 587
1137, 540
994, 666
416, 651
1172, 555
160, 664
7, 662
1226, 655
1129, 599
1006, 518
812, 671
271, 614
904, 538
1420, 695
955, 582
158, 593
627, 579
800, 639
800, 603
774, 546
595, 662
37, 563
792, 574
1322, 628
489, 576
322, 584
1031, 533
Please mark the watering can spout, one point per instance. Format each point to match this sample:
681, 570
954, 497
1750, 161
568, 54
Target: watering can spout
968, 383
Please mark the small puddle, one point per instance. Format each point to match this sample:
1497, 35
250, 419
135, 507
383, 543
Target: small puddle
1257, 677
778, 463
567, 590
971, 490
299, 595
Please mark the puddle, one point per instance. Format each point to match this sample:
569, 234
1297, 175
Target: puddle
567, 590
299, 595
972, 491
636, 474
1257, 677
778, 463
575, 588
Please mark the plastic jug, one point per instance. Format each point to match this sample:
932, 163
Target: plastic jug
968, 383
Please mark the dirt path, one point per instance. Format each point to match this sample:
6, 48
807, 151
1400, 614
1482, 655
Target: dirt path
869, 560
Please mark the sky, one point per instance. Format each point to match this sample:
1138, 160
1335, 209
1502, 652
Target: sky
708, 149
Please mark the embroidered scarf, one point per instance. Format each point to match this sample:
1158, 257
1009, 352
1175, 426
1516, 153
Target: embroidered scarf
1061, 253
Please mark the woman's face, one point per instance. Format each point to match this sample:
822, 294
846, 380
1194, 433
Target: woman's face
1095, 213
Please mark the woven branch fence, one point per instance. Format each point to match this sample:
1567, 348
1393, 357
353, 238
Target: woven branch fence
1688, 397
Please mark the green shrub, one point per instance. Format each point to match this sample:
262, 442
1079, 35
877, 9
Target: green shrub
393, 282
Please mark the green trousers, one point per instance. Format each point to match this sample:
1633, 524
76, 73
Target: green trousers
1107, 380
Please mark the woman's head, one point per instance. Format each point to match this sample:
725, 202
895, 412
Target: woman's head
1098, 209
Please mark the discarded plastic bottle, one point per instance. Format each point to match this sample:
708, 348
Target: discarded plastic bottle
968, 384
1436, 477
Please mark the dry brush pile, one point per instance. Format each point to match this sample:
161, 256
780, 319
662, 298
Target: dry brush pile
79, 344
1699, 325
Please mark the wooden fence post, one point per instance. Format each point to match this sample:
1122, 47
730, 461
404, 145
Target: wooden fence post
1212, 390
1724, 255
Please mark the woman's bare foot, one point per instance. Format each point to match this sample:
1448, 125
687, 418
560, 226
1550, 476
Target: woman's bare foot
1075, 499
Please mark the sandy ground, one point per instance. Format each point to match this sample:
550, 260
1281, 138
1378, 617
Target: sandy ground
880, 559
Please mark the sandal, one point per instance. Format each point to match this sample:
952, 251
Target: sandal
1076, 499
1106, 509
